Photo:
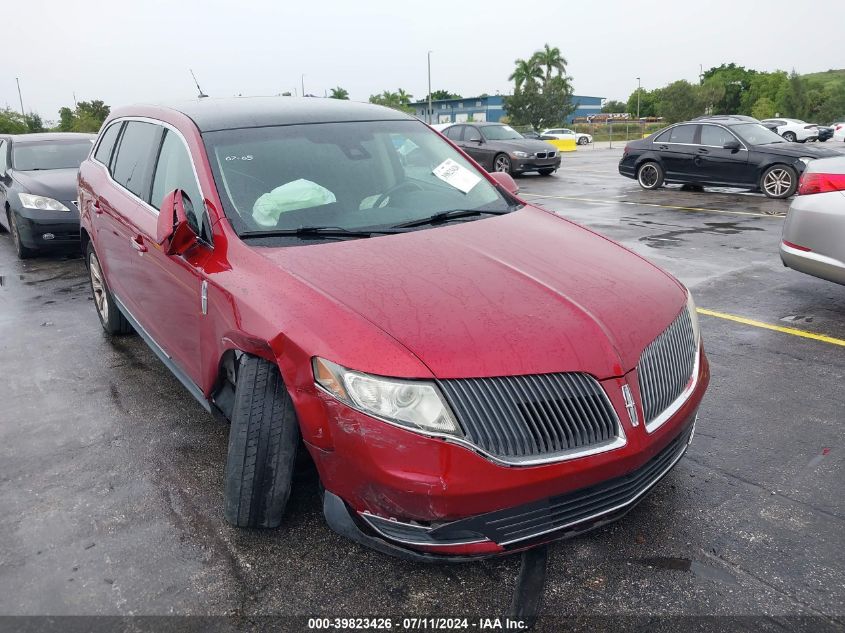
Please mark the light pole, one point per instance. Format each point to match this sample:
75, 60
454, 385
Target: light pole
429, 87
19, 96
302, 80
638, 98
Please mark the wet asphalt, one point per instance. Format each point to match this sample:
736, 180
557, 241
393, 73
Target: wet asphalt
111, 476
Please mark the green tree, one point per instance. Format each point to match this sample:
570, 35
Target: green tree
398, 100
763, 109
833, 108
679, 101
550, 59
734, 80
612, 106
794, 103
12, 122
34, 123
339, 93
526, 73
88, 116
95, 110
440, 95
538, 108
648, 102
772, 86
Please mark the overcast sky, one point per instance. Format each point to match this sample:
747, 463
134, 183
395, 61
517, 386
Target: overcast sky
130, 51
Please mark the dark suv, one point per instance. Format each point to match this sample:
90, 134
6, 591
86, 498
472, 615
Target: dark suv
722, 151
498, 147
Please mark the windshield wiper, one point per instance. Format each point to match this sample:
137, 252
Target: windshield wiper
317, 232
446, 216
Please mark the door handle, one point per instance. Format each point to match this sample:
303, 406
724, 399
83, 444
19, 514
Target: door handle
663, 147
702, 150
137, 243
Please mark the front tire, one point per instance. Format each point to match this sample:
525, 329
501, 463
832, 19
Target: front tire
583, 140
650, 176
263, 440
779, 181
111, 318
502, 162
22, 251
790, 137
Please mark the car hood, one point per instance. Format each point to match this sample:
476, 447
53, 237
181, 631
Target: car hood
524, 145
797, 150
527, 292
59, 184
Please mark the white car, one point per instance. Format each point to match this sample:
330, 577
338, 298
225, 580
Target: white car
794, 130
563, 133
838, 131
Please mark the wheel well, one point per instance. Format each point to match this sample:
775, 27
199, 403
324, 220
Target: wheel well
84, 238
223, 394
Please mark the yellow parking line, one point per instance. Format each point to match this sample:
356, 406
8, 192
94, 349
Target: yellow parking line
653, 204
775, 328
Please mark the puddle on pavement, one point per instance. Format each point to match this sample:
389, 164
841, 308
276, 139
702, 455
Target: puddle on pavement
676, 238
697, 569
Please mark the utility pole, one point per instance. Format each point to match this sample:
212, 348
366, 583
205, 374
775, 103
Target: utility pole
19, 96
302, 81
638, 98
429, 87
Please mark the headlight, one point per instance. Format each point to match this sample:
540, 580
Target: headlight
693, 316
413, 404
521, 154
31, 201
805, 159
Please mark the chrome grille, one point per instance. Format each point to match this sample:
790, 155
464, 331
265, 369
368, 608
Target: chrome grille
666, 366
518, 418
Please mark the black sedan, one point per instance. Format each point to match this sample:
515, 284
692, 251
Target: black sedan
721, 152
498, 147
38, 189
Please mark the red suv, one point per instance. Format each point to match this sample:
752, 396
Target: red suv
471, 375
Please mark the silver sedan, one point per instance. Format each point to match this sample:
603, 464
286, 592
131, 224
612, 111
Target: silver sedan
814, 231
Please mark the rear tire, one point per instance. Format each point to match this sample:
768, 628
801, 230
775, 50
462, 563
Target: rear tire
583, 140
22, 251
650, 176
779, 181
111, 318
790, 137
263, 440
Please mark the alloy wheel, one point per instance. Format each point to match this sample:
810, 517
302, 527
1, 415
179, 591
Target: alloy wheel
502, 164
777, 182
99, 289
648, 176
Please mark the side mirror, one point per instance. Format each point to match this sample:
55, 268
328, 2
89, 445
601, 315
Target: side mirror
504, 179
733, 145
173, 231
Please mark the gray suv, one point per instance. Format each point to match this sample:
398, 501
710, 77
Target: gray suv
498, 147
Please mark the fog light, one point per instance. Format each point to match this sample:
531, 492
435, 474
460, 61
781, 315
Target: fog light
48, 236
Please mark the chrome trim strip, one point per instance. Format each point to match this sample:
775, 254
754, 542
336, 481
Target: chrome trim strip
618, 442
163, 356
676, 404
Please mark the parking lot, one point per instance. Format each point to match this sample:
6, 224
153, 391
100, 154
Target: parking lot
111, 475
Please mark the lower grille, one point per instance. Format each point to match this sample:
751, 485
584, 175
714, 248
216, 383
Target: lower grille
666, 366
520, 418
557, 513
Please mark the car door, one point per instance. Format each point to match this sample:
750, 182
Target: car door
168, 289
677, 149
473, 144
5, 180
119, 202
715, 164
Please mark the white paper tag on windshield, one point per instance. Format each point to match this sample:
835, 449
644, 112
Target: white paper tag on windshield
456, 175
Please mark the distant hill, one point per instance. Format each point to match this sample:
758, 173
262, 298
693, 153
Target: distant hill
826, 77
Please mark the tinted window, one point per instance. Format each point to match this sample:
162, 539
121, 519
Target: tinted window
50, 154
715, 135
454, 132
135, 155
103, 153
500, 133
175, 170
471, 133
663, 137
682, 134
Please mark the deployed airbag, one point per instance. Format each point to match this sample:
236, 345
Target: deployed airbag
294, 195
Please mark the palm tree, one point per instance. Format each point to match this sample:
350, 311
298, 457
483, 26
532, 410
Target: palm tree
404, 97
526, 72
550, 59
339, 93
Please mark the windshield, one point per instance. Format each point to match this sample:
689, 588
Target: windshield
756, 134
28, 156
349, 176
500, 133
